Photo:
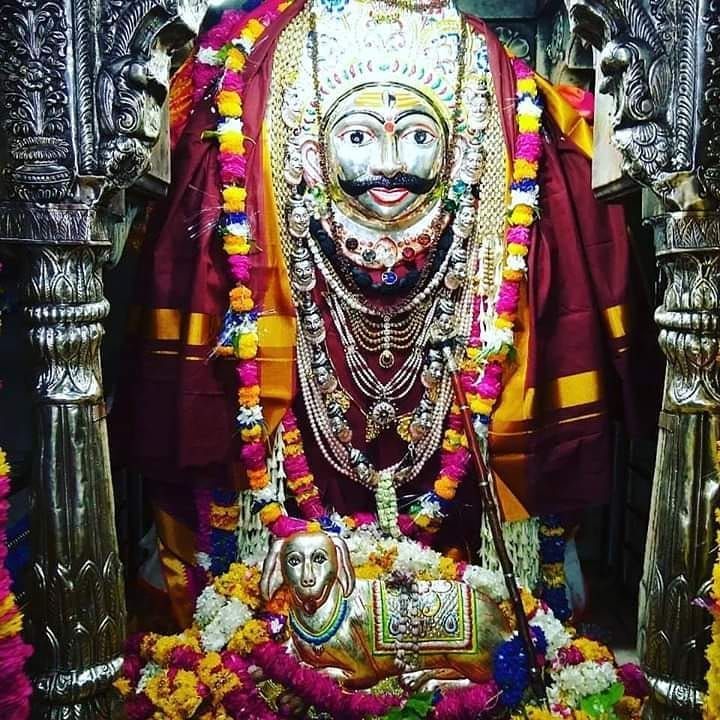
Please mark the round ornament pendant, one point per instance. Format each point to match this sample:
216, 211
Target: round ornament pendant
386, 359
383, 414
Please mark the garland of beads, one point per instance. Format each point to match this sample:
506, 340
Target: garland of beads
239, 334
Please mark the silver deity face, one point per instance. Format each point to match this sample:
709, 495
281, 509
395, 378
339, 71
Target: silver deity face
298, 220
385, 147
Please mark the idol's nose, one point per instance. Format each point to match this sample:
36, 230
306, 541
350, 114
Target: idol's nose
389, 163
308, 576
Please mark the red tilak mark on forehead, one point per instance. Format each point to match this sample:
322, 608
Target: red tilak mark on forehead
389, 126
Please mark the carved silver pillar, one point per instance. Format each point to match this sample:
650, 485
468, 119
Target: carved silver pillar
661, 63
82, 83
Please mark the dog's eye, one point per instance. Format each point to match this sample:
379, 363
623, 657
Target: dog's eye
319, 558
294, 561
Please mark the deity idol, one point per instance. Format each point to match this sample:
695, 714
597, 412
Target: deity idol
386, 183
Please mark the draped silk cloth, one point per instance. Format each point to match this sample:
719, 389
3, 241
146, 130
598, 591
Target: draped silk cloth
586, 349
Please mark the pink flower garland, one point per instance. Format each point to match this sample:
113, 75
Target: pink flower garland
15, 689
317, 689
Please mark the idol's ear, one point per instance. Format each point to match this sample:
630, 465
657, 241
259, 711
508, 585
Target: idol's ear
272, 577
346, 572
312, 170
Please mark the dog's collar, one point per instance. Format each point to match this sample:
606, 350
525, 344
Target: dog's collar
318, 639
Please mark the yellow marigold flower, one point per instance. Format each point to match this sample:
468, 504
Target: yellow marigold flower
229, 103
524, 169
447, 568
235, 59
147, 645
473, 353
252, 433
234, 198
503, 323
123, 686
314, 526
164, 645
478, 405
423, 521
232, 141
240, 582
249, 396
4, 466
270, 513
236, 247
629, 708
445, 487
554, 574
517, 249
528, 124
224, 518
454, 440
307, 495
532, 712
294, 449
255, 632
592, 650
291, 436
527, 85
529, 601
300, 481
368, 571
516, 275
247, 346
11, 623
254, 29
522, 215
258, 479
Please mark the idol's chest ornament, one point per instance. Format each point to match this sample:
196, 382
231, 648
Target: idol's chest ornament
383, 163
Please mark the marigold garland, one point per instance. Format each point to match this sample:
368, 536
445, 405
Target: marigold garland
15, 687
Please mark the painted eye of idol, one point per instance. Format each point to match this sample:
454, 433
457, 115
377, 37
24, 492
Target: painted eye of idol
385, 147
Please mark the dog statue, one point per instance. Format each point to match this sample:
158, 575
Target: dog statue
362, 631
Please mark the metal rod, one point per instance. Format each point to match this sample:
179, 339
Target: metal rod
493, 513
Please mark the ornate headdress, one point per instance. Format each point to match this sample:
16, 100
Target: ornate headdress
357, 48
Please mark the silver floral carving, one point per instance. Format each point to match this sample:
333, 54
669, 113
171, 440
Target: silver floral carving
34, 100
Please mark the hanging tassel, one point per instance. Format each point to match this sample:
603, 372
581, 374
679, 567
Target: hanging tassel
523, 545
253, 536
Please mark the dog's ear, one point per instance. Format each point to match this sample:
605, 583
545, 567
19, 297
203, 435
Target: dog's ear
272, 577
346, 572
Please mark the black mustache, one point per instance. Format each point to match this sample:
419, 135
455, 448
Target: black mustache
405, 181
